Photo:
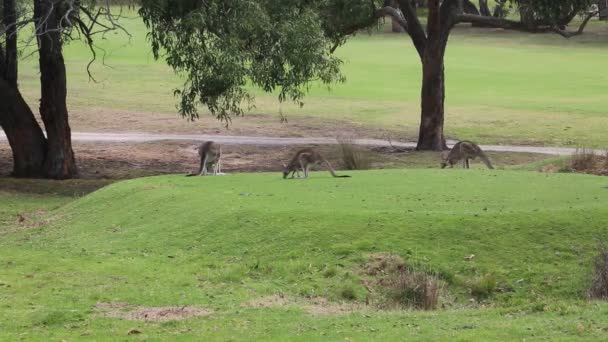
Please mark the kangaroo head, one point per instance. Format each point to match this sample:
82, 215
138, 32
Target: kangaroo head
285, 171
444, 159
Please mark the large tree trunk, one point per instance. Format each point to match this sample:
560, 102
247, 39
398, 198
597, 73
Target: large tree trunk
431, 136
433, 96
23, 133
60, 162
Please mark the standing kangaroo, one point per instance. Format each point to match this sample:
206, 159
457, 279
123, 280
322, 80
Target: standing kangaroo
464, 150
302, 161
211, 157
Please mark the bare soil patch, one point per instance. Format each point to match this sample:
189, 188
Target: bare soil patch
317, 306
142, 313
101, 120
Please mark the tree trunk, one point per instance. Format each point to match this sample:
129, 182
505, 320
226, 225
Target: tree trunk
526, 17
23, 133
484, 9
431, 136
9, 61
60, 162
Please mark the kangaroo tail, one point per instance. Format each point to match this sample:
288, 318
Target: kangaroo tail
332, 171
485, 160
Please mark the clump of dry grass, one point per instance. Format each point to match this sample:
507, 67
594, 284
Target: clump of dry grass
583, 160
599, 284
483, 287
395, 284
354, 157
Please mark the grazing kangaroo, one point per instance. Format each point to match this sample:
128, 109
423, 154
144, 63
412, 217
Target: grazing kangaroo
464, 150
302, 161
211, 157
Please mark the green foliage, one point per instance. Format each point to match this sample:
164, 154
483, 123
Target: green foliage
483, 287
221, 46
552, 11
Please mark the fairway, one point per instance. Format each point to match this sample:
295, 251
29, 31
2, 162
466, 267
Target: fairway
221, 243
502, 87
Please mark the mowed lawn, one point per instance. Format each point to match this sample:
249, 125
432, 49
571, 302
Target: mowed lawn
223, 243
502, 87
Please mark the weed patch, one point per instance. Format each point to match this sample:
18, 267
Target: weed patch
392, 283
353, 156
599, 284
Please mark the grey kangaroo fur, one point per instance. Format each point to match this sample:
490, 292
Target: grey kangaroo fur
211, 156
465, 151
302, 161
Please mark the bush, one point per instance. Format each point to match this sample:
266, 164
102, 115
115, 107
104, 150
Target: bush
347, 292
400, 285
599, 284
353, 156
415, 289
583, 160
483, 287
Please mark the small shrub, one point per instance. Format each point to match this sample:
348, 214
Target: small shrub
415, 289
599, 284
330, 272
347, 292
583, 160
354, 157
483, 287
396, 284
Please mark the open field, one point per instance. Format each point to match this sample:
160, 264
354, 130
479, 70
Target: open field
260, 257
502, 87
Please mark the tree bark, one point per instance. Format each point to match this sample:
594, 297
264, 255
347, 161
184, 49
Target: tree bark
24, 135
526, 17
9, 60
484, 9
60, 162
431, 135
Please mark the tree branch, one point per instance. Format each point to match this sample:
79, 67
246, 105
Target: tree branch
393, 13
581, 28
377, 14
518, 26
415, 29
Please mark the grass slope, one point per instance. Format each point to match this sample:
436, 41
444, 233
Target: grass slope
502, 87
219, 242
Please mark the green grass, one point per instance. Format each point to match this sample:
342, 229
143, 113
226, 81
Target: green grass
502, 87
218, 242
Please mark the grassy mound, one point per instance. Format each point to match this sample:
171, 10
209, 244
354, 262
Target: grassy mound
219, 243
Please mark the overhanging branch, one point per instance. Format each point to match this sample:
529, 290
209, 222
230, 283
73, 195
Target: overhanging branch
376, 14
518, 26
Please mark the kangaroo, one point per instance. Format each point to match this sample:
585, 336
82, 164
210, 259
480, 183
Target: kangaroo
302, 161
211, 157
464, 150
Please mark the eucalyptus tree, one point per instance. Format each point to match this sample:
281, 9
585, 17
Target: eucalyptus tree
54, 22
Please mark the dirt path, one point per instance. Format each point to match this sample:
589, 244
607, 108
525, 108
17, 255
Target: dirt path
139, 137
